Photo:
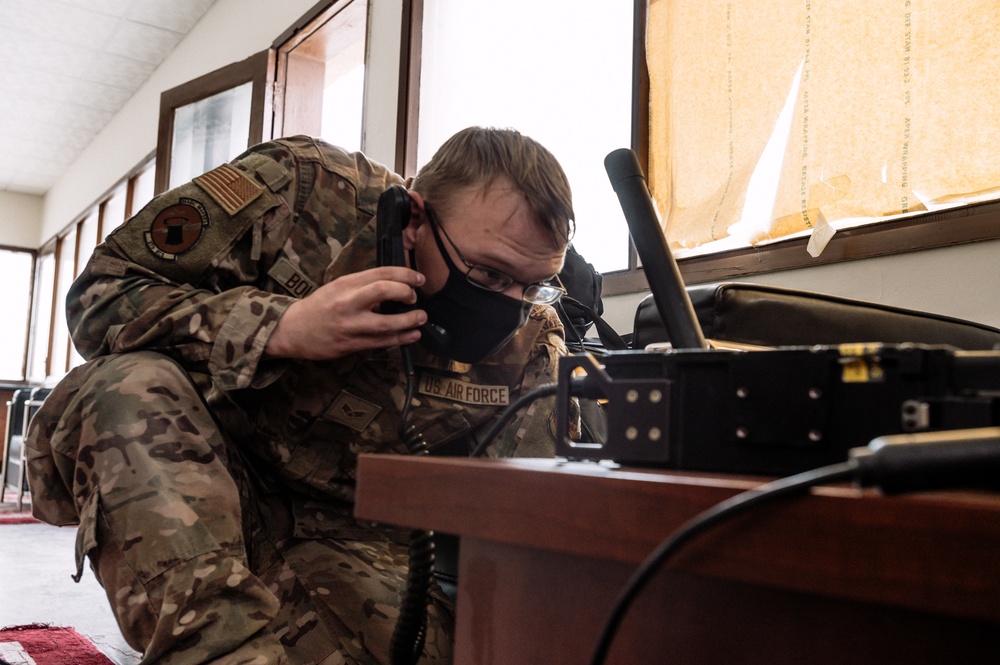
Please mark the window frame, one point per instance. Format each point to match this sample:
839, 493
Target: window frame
294, 108
410, 61
933, 230
257, 69
33, 253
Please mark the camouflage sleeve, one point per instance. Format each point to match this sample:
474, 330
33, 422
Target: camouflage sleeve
533, 433
180, 276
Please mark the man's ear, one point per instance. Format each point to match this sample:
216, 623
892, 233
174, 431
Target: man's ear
418, 216
416, 204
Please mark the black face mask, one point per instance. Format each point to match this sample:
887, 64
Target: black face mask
464, 322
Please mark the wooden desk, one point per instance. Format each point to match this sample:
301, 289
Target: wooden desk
840, 575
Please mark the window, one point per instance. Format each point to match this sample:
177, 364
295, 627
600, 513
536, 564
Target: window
140, 192
321, 71
15, 273
537, 67
50, 351
112, 211
343, 97
209, 132
773, 123
212, 119
65, 267
41, 315
86, 241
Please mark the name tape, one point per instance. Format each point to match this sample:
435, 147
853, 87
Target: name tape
463, 391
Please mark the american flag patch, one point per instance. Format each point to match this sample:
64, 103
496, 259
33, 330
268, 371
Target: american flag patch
231, 188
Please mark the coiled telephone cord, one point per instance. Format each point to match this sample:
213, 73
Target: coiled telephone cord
410, 633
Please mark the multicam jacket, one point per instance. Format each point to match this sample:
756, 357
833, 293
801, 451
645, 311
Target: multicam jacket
204, 272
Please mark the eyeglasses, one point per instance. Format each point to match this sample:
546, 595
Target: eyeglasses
490, 279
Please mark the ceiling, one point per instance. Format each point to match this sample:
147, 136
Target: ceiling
71, 66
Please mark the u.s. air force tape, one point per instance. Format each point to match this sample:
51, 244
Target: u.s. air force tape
463, 391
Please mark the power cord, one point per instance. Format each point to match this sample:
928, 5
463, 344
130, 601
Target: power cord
697, 525
895, 463
544, 390
578, 387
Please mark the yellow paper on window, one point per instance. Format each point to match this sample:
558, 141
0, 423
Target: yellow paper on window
768, 116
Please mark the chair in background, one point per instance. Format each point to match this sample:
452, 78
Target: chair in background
13, 440
20, 409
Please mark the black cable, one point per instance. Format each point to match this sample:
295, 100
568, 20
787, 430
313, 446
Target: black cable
566, 317
544, 390
894, 463
611, 340
698, 524
410, 632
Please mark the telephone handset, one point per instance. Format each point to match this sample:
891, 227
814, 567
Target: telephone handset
392, 217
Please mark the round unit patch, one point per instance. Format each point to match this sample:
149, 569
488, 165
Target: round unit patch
177, 229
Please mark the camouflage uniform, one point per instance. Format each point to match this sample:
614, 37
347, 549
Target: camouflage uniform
213, 487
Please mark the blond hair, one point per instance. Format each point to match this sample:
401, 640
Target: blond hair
480, 155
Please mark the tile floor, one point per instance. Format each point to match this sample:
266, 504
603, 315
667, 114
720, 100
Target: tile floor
36, 562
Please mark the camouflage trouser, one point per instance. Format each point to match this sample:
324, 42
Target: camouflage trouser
199, 563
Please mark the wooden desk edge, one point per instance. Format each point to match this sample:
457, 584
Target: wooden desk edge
934, 552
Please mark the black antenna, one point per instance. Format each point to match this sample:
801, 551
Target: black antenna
662, 273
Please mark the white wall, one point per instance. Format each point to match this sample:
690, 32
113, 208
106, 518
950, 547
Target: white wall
382, 80
20, 219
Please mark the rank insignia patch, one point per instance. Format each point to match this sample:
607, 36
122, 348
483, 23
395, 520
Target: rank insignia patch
231, 188
177, 229
353, 411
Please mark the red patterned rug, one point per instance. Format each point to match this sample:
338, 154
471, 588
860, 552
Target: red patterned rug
17, 518
47, 645
9, 514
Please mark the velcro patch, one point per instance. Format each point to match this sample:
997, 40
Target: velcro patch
230, 187
287, 274
463, 391
352, 411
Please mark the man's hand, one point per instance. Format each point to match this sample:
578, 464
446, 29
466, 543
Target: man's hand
342, 317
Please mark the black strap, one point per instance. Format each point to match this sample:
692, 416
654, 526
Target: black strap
609, 338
